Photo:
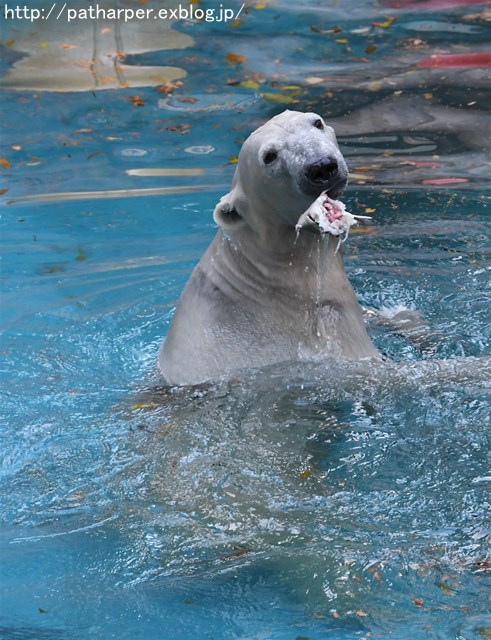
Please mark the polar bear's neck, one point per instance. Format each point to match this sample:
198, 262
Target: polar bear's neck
307, 266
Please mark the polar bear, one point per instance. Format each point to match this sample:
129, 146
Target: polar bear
263, 293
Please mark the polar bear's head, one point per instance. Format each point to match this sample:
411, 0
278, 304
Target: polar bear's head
283, 167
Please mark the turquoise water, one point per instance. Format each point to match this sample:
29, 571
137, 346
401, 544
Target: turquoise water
291, 503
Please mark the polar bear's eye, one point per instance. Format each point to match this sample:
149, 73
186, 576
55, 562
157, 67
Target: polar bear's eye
318, 124
270, 157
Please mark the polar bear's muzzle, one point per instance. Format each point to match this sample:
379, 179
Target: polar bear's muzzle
329, 175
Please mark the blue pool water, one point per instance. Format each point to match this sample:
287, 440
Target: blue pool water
289, 504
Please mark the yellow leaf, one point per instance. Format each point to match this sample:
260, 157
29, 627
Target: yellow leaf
10, 43
233, 159
342, 41
361, 614
371, 48
144, 405
370, 210
44, 45
249, 84
360, 176
386, 24
305, 473
260, 6
235, 58
278, 97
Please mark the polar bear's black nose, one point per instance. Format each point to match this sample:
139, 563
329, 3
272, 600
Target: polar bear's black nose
322, 171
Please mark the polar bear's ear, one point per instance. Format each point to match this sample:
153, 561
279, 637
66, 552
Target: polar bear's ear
226, 214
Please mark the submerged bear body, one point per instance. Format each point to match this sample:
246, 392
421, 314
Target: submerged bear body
262, 293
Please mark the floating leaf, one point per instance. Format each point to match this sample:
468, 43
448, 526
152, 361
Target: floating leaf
484, 632
81, 255
237, 553
371, 48
249, 84
278, 97
144, 405
370, 167
44, 45
137, 101
342, 40
360, 176
418, 602
413, 163
189, 99
235, 58
364, 229
96, 153
183, 129
2, 191
4, 163
370, 210
169, 87
361, 613
48, 269
233, 159
10, 43
386, 24
305, 473
446, 589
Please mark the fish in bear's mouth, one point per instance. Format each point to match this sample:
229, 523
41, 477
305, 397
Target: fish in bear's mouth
328, 216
